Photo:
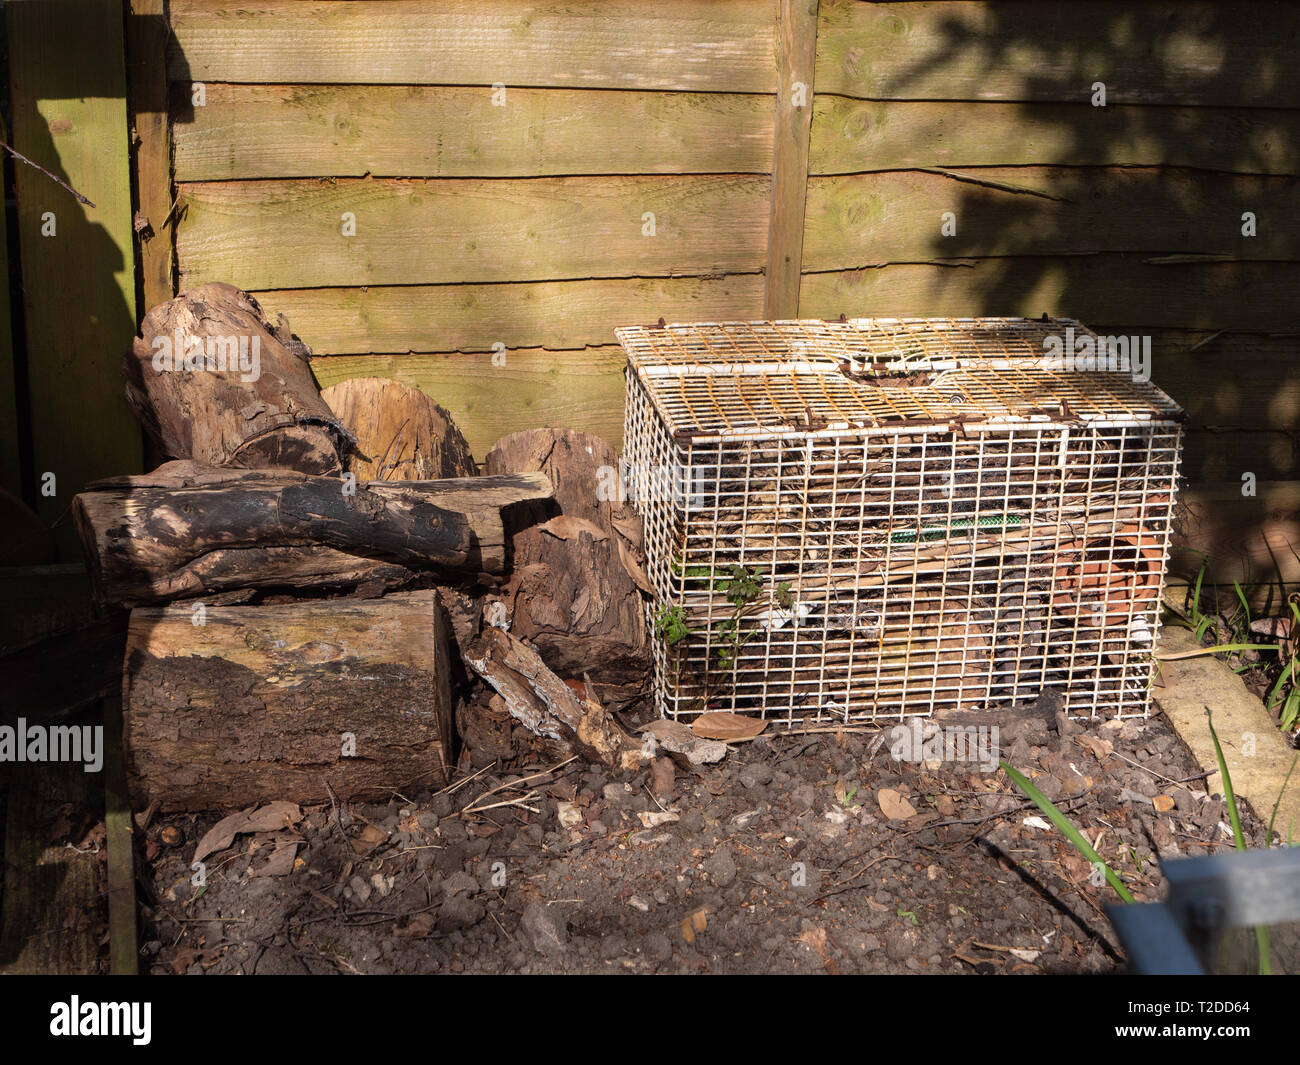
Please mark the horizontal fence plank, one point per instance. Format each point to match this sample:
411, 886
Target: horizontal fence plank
575, 389
289, 234
287, 131
703, 45
1250, 540
1169, 53
850, 136
1241, 297
1228, 380
1221, 454
547, 314
866, 219
1241, 392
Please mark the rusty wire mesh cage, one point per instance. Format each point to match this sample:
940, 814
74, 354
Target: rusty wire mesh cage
878, 518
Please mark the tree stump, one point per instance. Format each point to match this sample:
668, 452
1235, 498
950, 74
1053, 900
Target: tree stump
306, 701
574, 589
211, 379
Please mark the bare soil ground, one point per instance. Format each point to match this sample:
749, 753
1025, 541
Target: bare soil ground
791, 855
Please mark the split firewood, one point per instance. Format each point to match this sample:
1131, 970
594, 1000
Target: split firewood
400, 433
575, 585
211, 379
187, 529
304, 701
545, 704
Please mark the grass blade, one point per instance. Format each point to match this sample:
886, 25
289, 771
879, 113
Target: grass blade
1286, 780
1067, 828
1238, 837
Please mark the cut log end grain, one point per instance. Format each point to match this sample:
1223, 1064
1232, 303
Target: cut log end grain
400, 433
305, 701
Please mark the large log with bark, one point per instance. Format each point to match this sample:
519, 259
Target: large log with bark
575, 584
211, 379
187, 530
306, 701
399, 433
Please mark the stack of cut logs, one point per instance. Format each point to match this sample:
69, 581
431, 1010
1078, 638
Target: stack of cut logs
319, 578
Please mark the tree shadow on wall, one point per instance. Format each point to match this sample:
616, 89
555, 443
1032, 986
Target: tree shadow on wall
1129, 216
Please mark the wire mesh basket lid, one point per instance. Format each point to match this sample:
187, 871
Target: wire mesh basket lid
728, 378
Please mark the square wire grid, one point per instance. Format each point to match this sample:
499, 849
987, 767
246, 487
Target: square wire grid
877, 519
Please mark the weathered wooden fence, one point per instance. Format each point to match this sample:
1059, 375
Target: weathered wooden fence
469, 195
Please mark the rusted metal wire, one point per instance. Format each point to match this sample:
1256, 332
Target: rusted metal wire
934, 515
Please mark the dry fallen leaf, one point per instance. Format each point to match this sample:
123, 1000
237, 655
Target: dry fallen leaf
1163, 803
371, 837
268, 818
629, 527
634, 569
815, 937
894, 806
1097, 747
729, 728
281, 861
568, 527
419, 925
696, 922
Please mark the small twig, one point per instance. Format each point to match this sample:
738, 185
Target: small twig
36, 166
338, 821
821, 729
977, 820
846, 885
654, 798
461, 783
523, 801
471, 808
1139, 765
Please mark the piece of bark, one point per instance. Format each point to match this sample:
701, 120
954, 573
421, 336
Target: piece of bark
571, 597
258, 702
187, 529
678, 737
211, 379
464, 613
575, 586
400, 433
544, 704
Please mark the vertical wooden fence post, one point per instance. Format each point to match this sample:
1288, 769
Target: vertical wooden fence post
146, 44
797, 58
